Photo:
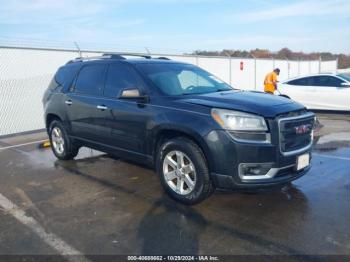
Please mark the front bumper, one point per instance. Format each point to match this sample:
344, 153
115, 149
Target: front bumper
228, 156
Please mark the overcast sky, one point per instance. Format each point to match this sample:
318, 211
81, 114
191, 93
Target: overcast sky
183, 25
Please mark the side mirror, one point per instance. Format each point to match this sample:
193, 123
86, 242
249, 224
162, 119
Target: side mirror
134, 94
345, 84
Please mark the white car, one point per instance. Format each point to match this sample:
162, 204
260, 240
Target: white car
321, 92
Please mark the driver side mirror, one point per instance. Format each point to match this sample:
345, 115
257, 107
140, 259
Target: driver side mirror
345, 84
133, 94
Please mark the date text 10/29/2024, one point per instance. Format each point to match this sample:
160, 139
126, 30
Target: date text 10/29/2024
173, 258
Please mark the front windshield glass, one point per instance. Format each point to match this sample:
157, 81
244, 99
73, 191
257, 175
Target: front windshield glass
345, 76
182, 79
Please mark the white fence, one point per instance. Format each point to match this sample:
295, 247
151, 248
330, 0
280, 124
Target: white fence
26, 72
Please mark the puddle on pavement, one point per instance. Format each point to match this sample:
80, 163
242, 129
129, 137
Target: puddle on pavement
44, 158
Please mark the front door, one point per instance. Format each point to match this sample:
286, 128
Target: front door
125, 120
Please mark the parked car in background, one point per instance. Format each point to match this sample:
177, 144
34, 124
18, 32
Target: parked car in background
321, 92
197, 131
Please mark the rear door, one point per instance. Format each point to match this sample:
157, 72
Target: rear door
329, 94
83, 99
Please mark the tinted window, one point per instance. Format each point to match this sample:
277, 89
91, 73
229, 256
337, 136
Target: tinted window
327, 81
305, 81
317, 81
119, 77
90, 80
59, 79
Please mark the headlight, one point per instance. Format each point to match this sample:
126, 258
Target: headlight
238, 121
242, 127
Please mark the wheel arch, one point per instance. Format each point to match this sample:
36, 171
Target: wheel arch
168, 133
49, 118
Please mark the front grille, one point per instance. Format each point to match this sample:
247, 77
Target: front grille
296, 132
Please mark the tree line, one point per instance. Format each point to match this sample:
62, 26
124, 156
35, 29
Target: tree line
284, 53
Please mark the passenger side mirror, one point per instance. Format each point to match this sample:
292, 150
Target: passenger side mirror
345, 84
133, 94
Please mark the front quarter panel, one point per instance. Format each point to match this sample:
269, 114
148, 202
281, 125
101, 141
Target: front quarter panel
179, 118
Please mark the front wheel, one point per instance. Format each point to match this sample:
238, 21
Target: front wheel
183, 171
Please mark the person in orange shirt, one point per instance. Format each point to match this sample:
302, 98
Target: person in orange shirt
270, 82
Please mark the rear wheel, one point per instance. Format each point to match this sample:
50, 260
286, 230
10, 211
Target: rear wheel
183, 171
62, 146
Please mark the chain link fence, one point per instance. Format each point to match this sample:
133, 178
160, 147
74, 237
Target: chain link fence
26, 72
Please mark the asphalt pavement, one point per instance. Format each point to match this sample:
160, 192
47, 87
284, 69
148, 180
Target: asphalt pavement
96, 205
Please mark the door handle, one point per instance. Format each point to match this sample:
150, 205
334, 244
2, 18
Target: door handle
102, 107
68, 102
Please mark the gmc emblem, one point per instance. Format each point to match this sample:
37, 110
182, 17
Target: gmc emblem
302, 129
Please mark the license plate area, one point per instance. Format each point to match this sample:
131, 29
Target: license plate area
303, 161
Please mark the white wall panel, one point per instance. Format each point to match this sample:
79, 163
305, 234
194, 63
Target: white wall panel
219, 67
329, 66
243, 79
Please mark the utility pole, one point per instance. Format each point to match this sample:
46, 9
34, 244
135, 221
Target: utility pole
254, 70
230, 67
319, 64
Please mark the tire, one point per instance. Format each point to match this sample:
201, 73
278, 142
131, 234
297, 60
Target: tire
192, 166
68, 150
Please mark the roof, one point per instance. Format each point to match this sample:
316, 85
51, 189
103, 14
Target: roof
142, 59
151, 61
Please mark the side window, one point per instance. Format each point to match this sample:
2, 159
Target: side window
300, 82
90, 80
119, 77
58, 80
312, 81
333, 81
327, 81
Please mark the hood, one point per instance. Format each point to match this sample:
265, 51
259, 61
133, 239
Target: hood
247, 101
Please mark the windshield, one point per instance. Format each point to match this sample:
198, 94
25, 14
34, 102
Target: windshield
345, 76
182, 79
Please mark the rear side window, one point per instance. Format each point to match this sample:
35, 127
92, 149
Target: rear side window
120, 77
59, 79
90, 80
327, 81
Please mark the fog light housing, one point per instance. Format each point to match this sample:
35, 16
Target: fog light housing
254, 171
251, 137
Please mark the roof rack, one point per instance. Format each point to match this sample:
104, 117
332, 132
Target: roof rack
127, 54
112, 56
82, 59
163, 58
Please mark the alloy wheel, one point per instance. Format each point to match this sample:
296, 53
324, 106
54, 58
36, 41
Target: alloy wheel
179, 172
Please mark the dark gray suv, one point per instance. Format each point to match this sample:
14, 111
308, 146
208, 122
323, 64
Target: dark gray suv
197, 131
